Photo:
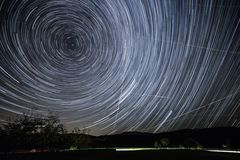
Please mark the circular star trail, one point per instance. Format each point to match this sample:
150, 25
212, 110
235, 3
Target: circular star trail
122, 65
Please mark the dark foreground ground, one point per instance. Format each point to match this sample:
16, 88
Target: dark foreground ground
124, 155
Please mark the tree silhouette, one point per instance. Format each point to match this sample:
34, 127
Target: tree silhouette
23, 125
29, 131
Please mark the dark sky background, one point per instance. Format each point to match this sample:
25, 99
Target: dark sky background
112, 66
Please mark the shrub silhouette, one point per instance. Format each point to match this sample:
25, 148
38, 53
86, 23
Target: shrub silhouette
191, 143
164, 142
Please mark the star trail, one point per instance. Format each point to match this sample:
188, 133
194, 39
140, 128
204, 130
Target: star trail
113, 66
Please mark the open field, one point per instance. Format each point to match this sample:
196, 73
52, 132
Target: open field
112, 154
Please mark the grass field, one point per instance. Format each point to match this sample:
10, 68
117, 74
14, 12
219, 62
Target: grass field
112, 154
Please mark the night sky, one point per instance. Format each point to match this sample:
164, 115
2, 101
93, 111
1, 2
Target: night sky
112, 66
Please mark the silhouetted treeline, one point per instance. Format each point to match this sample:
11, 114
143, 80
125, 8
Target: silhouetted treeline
48, 134
28, 132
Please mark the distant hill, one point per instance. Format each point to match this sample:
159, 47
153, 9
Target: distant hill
227, 137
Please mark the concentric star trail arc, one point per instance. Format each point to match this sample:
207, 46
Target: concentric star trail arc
114, 66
